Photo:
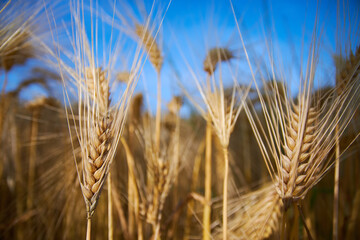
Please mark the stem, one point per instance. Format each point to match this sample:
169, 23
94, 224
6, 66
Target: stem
157, 231
283, 225
132, 189
16, 141
158, 114
226, 173
88, 229
110, 216
303, 219
176, 159
130, 184
32, 159
336, 185
194, 180
295, 226
121, 214
207, 208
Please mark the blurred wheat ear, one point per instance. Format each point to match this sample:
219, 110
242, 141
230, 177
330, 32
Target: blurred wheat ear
254, 215
215, 56
151, 46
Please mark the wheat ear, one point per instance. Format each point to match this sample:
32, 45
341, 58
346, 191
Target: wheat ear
99, 139
223, 111
151, 46
255, 215
156, 60
207, 207
215, 56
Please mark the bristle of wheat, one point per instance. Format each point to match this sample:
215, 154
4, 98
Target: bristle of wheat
151, 46
175, 104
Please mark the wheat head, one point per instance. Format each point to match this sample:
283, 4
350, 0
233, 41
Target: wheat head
215, 56
151, 46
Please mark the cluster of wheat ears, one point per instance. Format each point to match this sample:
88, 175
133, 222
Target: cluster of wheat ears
255, 161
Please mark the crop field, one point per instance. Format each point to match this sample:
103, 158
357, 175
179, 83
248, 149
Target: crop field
170, 119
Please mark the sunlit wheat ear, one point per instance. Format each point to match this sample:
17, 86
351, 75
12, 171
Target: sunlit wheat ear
295, 173
255, 215
298, 138
99, 134
215, 56
150, 45
135, 109
123, 76
161, 174
175, 104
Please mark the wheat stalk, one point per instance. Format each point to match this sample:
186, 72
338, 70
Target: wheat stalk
222, 110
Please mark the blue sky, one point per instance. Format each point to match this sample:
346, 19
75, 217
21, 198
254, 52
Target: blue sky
191, 27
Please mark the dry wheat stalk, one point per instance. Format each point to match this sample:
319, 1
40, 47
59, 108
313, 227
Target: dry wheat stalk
17, 27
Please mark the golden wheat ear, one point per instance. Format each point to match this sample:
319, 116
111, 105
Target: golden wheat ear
99, 138
299, 136
149, 43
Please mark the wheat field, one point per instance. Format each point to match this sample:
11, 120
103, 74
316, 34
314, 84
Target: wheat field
115, 125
